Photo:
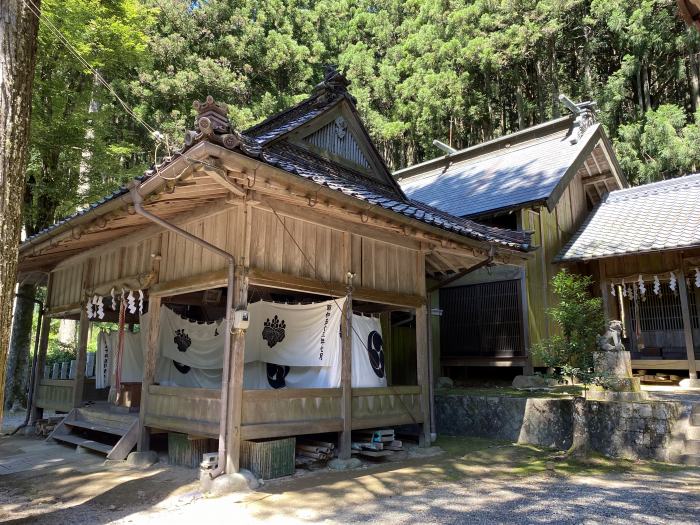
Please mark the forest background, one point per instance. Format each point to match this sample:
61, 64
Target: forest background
459, 71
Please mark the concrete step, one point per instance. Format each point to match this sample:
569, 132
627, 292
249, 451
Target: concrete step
695, 419
82, 442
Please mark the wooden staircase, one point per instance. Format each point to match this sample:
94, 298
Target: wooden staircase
104, 428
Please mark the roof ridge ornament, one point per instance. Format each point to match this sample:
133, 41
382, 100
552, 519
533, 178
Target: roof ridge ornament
212, 124
334, 83
211, 116
585, 113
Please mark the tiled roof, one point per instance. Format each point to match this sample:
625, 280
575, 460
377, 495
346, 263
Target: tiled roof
511, 176
660, 216
258, 142
290, 119
305, 164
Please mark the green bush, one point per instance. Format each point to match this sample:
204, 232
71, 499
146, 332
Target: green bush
580, 318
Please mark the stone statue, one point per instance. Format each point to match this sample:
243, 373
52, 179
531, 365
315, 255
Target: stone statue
612, 360
611, 340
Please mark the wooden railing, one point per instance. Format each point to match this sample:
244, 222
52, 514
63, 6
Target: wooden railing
377, 407
56, 394
277, 413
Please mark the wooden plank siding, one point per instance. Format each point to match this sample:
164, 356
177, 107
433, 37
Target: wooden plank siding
551, 231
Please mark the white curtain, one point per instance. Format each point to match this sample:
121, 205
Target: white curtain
368, 367
287, 346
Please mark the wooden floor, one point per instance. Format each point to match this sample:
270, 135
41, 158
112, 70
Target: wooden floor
662, 364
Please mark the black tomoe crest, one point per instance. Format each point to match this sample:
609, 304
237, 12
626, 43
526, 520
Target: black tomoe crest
375, 352
183, 342
276, 375
273, 331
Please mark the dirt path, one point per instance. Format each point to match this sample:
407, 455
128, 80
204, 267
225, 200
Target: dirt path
474, 482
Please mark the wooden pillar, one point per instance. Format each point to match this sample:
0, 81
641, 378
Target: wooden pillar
687, 326
81, 358
149, 368
422, 372
345, 445
37, 412
235, 385
608, 305
525, 309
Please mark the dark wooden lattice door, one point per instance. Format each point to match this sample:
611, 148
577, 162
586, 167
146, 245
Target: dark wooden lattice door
482, 320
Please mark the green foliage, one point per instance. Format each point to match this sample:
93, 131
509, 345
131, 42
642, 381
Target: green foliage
456, 70
580, 318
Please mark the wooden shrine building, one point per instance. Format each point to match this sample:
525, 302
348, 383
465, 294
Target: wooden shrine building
643, 246
545, 180
299, 207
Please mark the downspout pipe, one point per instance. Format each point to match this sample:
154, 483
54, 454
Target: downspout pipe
429, 315
32, 376
138, 207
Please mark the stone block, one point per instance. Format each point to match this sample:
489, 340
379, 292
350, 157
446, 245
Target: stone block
528, 382
344, 464
443, 383
142, 459
227, 484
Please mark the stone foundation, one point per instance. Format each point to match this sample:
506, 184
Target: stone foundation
633, 430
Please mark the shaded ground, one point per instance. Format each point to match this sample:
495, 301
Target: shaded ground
474, 481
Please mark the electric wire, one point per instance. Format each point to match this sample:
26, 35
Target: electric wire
158, 137
330, 290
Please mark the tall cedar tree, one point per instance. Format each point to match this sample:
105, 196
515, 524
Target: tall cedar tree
18, 31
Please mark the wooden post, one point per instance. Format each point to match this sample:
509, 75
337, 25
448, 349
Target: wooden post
545, 274
422, 372
235, 386
528, 368
149, 368
687, 326
605, 293
345, 448
81, 357
37, 412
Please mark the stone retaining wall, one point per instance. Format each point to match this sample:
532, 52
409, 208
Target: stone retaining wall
634, 430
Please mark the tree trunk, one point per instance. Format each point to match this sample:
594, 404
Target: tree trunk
18, 32
68, 332
20, 343
646, 87
555, 81
694, 79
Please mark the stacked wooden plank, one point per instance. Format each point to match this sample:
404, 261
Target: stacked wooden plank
375, 443
310, 452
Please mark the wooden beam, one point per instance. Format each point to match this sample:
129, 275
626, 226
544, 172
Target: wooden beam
687, 326
81, 358
219, 174
604, 292
286, 281
38, 412
525, 319
149, 368
237, 361
345, 445
348, 221
81, 350
422, 372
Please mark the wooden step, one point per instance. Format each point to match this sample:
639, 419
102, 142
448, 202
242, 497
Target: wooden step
692, 446
82, 442
89, 425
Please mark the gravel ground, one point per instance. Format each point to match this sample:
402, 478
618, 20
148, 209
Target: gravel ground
473, 482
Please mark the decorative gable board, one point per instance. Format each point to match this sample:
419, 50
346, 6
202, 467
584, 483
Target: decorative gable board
336, 138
